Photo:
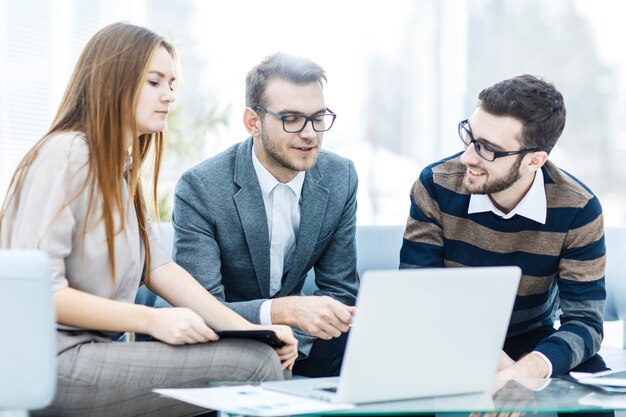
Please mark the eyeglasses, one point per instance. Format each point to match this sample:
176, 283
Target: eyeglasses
486, 151
295, 123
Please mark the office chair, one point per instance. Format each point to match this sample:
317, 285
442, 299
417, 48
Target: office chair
28, 329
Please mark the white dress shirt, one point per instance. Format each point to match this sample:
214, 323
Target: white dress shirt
533, 206
282, 209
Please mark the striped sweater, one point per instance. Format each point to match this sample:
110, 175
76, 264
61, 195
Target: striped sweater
562, 261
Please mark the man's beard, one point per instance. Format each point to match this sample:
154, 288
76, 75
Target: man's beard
499, 184
276, 154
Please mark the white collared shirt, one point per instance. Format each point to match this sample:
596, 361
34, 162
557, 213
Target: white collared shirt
533, 206
282, 209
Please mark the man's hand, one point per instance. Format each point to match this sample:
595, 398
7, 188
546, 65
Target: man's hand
505, 361
320, 316
529, 372
531, 366
179, 326
509, 396
289, 352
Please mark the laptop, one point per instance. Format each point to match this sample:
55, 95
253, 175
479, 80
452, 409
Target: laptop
420, 333
28, 329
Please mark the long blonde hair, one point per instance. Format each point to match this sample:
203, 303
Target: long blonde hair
100, 101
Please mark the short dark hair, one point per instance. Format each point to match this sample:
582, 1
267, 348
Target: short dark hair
531, 100
297, 69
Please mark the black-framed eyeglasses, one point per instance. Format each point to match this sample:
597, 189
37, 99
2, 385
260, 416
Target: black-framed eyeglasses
295, 123
486, 151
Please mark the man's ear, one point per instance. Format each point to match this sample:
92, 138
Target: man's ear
252, 122
537, 160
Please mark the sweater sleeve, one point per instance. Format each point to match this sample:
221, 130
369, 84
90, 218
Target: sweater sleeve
582, 292
422, 245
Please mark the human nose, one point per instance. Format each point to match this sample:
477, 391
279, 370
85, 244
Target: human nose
168, 96
470, 156
308, 130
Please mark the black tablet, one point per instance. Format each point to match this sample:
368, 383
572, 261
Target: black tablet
265, 336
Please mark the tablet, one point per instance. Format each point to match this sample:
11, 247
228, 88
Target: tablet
265, 336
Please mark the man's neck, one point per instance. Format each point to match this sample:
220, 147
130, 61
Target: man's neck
507, 200
278, 171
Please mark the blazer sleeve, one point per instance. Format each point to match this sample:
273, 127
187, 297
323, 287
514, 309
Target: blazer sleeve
195, 244
335, 271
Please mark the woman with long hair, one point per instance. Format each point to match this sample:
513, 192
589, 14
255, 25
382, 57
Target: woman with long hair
77, 195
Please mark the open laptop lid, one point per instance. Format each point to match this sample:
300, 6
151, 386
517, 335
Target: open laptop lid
426, 332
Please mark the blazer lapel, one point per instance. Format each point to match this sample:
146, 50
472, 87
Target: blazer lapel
249, 203
312, 210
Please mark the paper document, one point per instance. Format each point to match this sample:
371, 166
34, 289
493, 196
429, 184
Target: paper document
249, 400
614, 378
608, 382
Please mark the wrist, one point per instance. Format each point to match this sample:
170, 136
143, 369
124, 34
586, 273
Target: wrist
283, 311
246, 325
546, 364
533, 366
147, 320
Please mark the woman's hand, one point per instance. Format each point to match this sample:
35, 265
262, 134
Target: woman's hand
289, 352
179, 326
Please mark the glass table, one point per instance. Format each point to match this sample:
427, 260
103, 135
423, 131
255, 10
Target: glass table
555, 395
529, 396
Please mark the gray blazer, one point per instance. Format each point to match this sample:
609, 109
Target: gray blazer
222, 239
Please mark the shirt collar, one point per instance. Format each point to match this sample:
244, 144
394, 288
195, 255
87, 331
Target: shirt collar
268, 182
534, 205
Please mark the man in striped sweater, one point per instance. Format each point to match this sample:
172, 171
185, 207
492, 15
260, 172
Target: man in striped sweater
502, 202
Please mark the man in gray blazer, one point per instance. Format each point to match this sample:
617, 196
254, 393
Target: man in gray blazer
252, 221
